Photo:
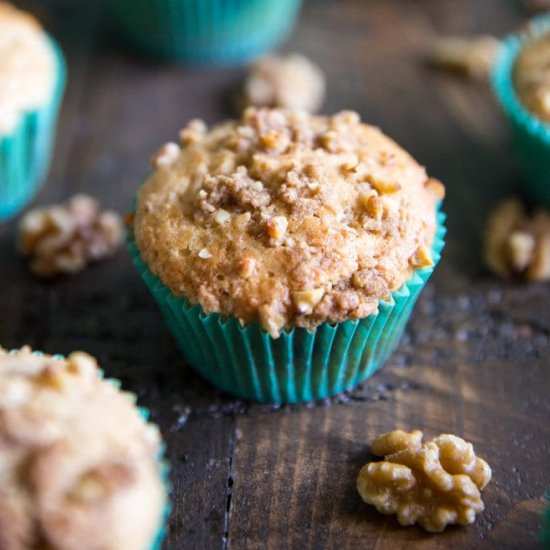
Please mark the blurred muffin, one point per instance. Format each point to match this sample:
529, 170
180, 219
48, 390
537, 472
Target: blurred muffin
78, 464
521, 81
205, 31
291, 223
31, 84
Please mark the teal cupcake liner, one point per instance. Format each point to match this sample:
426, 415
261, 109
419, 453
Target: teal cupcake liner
300, 365
532, 136
203, 31
25, 153
163, 466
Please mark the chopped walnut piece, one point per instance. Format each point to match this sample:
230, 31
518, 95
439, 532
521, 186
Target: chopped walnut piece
221, 216
306, 300
434, 484
291, 82
63, 239
276, 229
204, 254
383, 184
473, 56
516, 244
246, 267
165, 156
421, 258
436, 188
193, 132
371, 204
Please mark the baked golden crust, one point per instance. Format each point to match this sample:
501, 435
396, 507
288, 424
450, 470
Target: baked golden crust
75, 458
286, 219
27, 66
532, 77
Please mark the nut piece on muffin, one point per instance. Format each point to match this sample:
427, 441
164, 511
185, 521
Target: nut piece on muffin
286, 219
532, 77
27, 66
291, 82
78, 464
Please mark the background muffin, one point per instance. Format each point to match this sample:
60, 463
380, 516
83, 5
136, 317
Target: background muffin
521, 81
78, 464
32, 79
291, 223
205, 31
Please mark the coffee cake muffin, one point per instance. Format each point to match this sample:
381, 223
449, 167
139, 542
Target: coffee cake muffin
521, 81
286, 233
79, 467
32, 77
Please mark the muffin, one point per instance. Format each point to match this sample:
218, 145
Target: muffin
32, 79
79, 466
203, 31
521, 80
286, 250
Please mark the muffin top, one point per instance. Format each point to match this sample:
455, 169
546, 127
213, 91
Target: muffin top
75, 458
27, 66
286, 219
532, 77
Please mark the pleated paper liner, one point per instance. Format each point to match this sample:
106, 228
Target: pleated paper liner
300, 365
162, 464
203, 31
25, 153
531, 135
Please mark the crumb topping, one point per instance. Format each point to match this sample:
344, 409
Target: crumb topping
74, 455
27, 66
287, 219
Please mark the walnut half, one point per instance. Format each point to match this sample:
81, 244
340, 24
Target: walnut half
63, 239
518, 245
434, 484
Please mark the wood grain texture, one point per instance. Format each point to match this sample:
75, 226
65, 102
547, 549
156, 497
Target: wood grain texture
473, 360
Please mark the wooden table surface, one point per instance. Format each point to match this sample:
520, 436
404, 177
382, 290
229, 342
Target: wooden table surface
473, 362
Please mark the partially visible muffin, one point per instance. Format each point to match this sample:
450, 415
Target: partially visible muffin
78, 464
286, 219
27, 66
532, 77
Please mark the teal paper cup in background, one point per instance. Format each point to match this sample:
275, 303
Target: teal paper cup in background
25, 153
217, 32
300, 365
532, 136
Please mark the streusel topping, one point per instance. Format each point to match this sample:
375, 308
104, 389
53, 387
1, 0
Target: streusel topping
27, 66
78, 465
286, 219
